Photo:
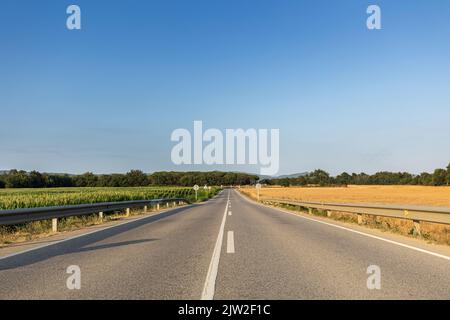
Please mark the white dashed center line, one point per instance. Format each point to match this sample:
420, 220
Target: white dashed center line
210, 282
230, 242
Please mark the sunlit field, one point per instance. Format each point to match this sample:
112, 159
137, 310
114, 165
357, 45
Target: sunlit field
30, 198
419, 195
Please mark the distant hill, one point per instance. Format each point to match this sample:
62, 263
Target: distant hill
294, 175
49, 173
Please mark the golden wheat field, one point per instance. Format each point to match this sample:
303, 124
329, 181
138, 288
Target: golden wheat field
416, 195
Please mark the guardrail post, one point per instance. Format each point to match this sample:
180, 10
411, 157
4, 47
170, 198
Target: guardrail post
145, 209
328, 213
310, 210
360, 218
128, 212
55, 225
157, 206
174, 203
100, 216
167, 205
417, 227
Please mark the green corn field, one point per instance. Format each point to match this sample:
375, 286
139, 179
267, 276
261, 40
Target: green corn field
32, 198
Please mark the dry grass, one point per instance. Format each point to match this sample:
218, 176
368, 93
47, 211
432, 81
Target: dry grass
418, 195
410, 195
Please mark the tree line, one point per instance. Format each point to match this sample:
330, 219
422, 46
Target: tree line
440, 177
137, 178
134, 178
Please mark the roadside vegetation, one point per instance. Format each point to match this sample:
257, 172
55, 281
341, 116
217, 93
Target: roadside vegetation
409, 195
431, 232
30, 198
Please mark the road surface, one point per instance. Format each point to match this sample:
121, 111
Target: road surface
226, 248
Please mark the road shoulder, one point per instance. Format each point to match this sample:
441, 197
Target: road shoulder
420, 244
50, 239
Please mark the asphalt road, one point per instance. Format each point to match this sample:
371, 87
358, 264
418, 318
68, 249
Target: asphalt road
204, 251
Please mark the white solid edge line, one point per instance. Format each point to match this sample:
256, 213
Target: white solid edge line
210, 282
88, 233
356, 231
230, 242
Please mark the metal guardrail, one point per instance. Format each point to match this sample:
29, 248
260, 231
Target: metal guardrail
409, 212
8, 217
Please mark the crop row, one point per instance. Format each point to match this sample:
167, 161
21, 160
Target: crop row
31, 198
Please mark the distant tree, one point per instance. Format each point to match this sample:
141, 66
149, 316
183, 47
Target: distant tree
448, 174
17, 179
136, 178
439, 177
229, 179
391, 178
161, 178
319, 177
36, 180
406, 178
187, 181
201, 178
425, 179
267, 181
415, 180
344, 179
56, 181
301, 181
360, 178
112, 180
87, 179
285, 182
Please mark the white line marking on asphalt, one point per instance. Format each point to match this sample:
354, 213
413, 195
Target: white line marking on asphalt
210, 282
230, 242
358, 232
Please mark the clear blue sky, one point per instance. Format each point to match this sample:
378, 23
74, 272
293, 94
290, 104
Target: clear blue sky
106, 98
